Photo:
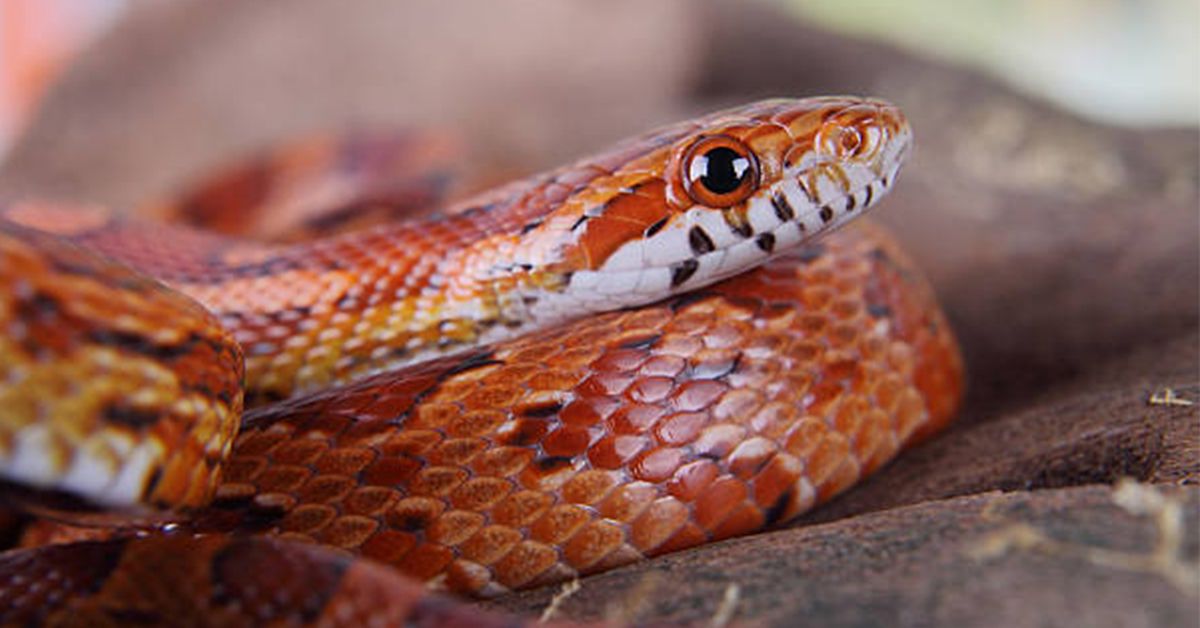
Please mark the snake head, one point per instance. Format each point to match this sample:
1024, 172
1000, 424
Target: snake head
691, 204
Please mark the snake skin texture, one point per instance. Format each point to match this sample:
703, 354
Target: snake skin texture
403, 420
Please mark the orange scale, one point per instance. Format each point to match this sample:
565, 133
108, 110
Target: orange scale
615, 451
816, 298
437, 481
299, 452
480, 494
813, 325
307, 519
716, 502
522, 432
750, 456
559, 524
635, 418
231, 491
901, 358
662, 366
282, 478
681, 345
826, 457
848, 281
241, 469
842, 366
592, 544
714, 362
888, 390
620, 360
489, 544
585, 412
525, 564
345, 460
493, 396
426, 561
757, 376
260, 443
325, 489
822, 396
410, 442
628, 501
689, 535
910, 413
805, 436
657, 465
680, 428
649, 389
454, 527
846, 308
843, 477
725, 335
872, 347
606, 384
643, 324
467, 577
474, 423
588, 487
775, 482
521, 508
414, 513
536, 353
547, 473
370, 500
553, 380
388, 546
457, 451
367, 432
511, 374
873, 444
742, 519
540, 403
503, 461
692, 323
657, 523
697, 395
716, 441
692, 479
348, 531
327, 425
772, 417
454, 390
567, 441
585, 347
806, 351
849, 416
390, 471
433, 415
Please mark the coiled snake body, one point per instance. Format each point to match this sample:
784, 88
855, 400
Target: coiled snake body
641, 352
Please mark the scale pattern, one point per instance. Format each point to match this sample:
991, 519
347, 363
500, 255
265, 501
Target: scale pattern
626, 435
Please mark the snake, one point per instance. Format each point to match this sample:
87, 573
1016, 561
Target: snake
662, 345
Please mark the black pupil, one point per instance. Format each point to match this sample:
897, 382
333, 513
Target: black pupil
722, 170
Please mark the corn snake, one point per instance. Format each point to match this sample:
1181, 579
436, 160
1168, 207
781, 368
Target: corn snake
431, 396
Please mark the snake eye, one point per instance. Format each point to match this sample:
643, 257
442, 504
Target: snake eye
719, 171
